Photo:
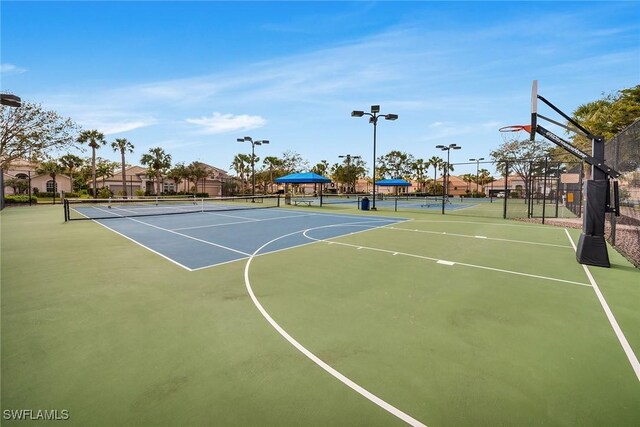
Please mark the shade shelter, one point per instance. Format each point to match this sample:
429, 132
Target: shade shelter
393, 183
304, 178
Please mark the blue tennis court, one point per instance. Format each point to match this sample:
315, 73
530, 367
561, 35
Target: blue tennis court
205, 239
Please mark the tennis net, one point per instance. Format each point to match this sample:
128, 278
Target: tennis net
78, 209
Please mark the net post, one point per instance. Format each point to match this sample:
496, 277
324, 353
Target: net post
278, 200
65, 205
506, 189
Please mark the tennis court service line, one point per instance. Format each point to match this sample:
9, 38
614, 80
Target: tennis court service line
633, 359
452, 263
144, 246
342, 378
442, 233
239, 222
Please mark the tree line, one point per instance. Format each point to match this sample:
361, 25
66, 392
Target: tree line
31, 132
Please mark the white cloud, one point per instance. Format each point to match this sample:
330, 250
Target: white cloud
222, 123
11, 69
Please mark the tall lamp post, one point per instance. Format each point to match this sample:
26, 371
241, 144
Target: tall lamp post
445, 184
253, 159
373, 118
349, 157
477, 171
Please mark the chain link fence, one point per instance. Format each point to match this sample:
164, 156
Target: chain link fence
622, 153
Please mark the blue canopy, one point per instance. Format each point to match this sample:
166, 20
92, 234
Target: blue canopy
302, 178
393, 183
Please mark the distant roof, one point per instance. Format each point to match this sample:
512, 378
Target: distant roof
393, 183
302, 178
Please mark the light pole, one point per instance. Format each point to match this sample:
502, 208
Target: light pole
373, 118
349, 157
445, 184
253, 159
477, 171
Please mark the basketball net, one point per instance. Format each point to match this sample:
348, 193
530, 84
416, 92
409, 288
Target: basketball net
515, 133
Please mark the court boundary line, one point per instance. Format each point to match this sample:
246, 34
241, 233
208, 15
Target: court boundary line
442, 233
450, 263
539, 227
332, 371
622, 339
144, 246
295, 246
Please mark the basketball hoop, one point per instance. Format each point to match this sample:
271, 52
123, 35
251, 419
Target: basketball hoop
515, 133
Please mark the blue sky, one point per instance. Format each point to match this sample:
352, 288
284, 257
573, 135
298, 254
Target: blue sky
192, 77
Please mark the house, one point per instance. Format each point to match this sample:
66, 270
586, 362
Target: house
26, 170
137, 180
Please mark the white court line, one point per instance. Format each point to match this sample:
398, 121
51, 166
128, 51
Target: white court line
146, 247
500, 270
238, 222
539, 227
633, 359
349, 383
480, 237
185, 235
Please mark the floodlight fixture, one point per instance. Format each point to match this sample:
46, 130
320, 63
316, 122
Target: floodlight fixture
253, 158
10, 100
373, 119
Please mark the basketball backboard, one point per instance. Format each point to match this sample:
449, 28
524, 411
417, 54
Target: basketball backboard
534, 110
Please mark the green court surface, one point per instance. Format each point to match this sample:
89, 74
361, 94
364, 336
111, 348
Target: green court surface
452, 320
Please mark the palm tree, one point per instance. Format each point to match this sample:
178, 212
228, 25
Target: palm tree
179, 173
272, 163
123, 145
241, 164
51, 168
94, 139
419, 167
157, 162
71, 162
436, 162
105, 169
197, 172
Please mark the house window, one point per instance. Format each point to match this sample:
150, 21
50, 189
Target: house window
169, 187
22, 176
52, 186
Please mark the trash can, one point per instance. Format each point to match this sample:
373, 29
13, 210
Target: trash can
364, 204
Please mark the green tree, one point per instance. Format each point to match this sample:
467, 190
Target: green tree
157, 163
179, 173
436, 162
397, 163
19, 185
53, 169
71, 162
348, 173
293, 162
123, 145
241, 164
95, 140
105, 169
197, 171
29, 131
419, 169
274, 166
522, 157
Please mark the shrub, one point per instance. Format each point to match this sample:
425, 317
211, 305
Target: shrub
104, 193
19, 199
